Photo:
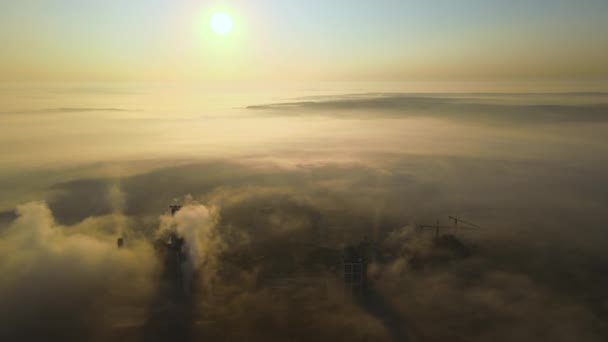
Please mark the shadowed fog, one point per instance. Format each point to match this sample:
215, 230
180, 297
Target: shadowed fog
275, 187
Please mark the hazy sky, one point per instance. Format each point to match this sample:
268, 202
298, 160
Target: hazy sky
311, 126
90, 40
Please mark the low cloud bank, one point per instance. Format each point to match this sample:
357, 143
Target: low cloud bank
265, 243
475, 108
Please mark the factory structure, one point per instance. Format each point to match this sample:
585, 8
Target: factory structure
349, 266
329, 272
354, 269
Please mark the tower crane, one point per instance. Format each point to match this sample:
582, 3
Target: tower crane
457, 220
436, 227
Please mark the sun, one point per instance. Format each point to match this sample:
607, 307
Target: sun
221, 23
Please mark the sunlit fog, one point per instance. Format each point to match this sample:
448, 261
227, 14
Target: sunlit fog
311, 171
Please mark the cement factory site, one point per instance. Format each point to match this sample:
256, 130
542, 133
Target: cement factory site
239, 254
303, 171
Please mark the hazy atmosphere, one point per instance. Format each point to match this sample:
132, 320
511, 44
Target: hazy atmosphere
303, 171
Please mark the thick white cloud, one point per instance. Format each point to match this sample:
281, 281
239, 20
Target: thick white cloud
70, 281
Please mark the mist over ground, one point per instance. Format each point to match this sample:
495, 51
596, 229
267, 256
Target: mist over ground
276, 186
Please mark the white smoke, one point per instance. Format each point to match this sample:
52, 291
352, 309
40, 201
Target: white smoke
197, 225
117, 200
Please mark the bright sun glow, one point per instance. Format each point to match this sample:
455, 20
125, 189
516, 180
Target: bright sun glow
221, 23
